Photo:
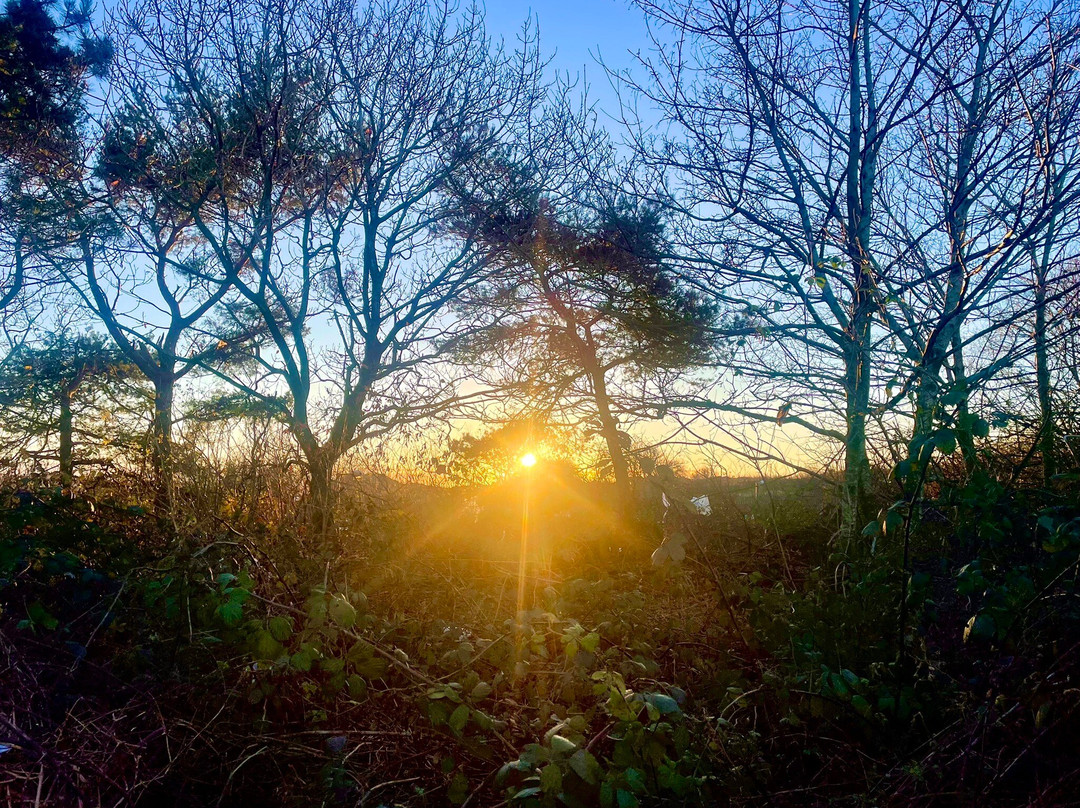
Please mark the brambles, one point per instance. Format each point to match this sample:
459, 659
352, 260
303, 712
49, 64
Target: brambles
414, 679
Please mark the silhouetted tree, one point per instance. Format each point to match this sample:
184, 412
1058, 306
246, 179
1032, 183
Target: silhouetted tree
45, 62
584, 315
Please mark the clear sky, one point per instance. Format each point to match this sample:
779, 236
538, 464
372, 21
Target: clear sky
576, 32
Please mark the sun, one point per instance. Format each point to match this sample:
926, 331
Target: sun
528, 460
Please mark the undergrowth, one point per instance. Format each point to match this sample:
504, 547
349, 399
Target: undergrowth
754, 663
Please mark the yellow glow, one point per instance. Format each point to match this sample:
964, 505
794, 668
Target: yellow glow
529, 460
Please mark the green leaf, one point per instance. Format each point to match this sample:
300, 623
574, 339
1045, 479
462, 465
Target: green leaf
676, 551
607, 794
622, 754
903, 469
40, 616
316, 608
301, 661
438, 712
459, 789
459, 718
230, 612
534, 754
447, 691
372, 668
861, 705
955, 395
551, 779
665, 704
981, 627
945, 441
342, 612
514, 767
280, 628
357, 686
1043, 713
481, 691
590, 642
585, 766
332, 664
266, 647
360, 601
893, 521
561, 745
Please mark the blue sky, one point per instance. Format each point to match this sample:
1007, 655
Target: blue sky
577, 31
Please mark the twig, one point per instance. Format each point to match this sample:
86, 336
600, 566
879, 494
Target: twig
375, 788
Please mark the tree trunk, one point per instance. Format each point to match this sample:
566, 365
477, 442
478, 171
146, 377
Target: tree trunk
860, 181
927, 393
858, 507
927, 396
322, 459
320, 506
1042, 381
609, 430
161, 450
67, 468
946, 336
965, 435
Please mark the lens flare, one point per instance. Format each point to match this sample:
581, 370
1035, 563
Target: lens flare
529, 460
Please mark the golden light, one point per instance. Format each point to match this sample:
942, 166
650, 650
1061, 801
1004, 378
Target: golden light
528, 460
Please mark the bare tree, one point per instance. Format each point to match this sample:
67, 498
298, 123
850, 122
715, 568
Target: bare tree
980, 193
1055, 275
354, 125
855, 176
